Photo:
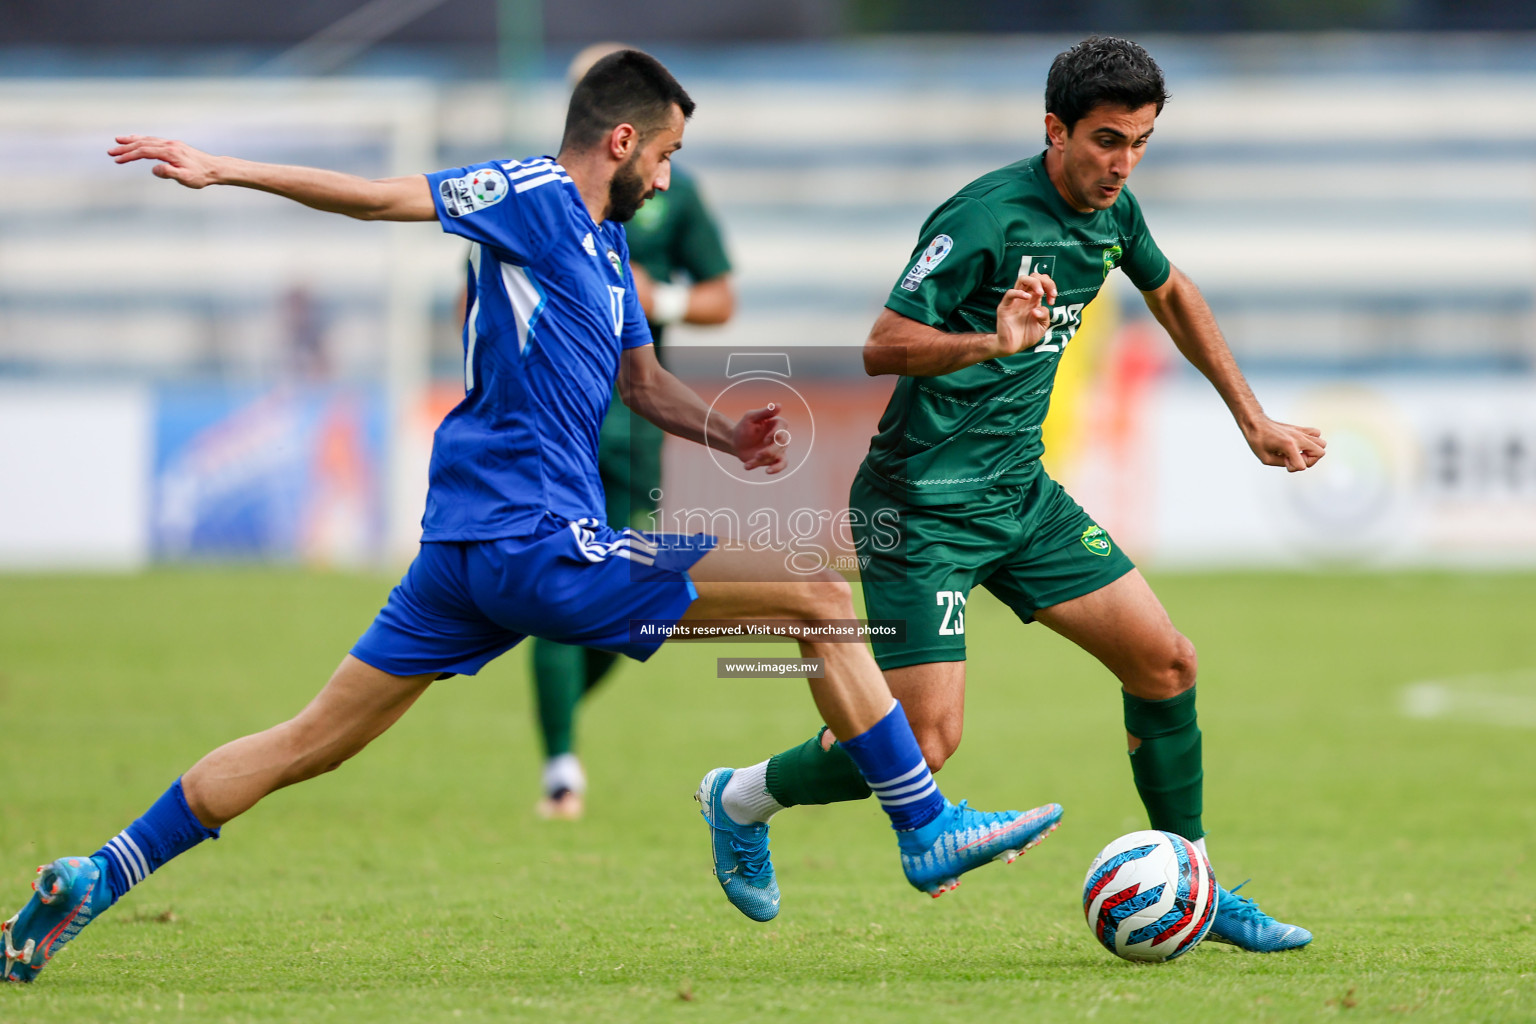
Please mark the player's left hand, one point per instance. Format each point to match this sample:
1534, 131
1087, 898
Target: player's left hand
1282, 444
178, 161
761, 436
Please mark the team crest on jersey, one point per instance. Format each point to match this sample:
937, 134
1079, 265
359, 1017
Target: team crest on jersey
931, 258
1112, 258
1096, 540
485, 187
616, 263
589, 245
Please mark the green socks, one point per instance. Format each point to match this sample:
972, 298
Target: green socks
809, 775
562, 675
1166, 766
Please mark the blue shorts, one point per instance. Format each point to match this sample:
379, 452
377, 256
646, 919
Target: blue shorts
462, 603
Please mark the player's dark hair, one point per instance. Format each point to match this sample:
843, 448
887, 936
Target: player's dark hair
1102, 69
625, 87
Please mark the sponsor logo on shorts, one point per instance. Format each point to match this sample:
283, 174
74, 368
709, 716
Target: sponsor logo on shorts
1112, 258
931, 258
485, 187
1096, 540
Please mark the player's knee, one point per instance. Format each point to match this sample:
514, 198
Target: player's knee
1165, 670
826, 595
1183, 665
1172, 671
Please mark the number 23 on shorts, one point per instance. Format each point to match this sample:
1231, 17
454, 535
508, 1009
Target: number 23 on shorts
953, 602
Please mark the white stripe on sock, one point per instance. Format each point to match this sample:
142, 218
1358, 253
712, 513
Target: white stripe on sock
921, 768
143, 861
132, 871
138, 869
907, 790
122, 865
914, 798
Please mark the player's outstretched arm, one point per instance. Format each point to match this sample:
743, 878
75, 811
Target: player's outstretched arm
651, 392
901, 345
401, 199
1184, 314
703, 303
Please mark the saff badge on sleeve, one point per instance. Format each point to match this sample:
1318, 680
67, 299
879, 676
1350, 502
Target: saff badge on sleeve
930, 259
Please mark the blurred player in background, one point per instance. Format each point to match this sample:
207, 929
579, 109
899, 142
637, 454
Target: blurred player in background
957, 457
513, 544
673, 234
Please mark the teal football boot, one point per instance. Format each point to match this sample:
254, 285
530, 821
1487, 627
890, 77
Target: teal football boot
959, 839
739, 853
1239, 922
68, 895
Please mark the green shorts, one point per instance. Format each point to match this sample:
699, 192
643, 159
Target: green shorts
629, 464
1030, 544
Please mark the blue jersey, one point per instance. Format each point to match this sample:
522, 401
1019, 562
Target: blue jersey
551, 305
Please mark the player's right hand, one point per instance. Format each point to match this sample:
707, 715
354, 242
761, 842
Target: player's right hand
760, 438
177, 160
1024, 315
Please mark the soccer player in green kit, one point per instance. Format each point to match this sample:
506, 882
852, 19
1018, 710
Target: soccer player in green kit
672, 236
956, 463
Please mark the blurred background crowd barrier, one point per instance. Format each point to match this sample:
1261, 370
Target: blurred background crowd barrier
222, 375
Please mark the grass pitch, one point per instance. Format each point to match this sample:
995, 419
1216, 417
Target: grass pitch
417, 883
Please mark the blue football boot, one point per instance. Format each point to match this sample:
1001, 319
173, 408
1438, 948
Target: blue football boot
69, 894
1240, 922
959, 839
739, 852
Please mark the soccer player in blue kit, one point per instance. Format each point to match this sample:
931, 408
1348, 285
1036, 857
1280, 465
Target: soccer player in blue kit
513, 542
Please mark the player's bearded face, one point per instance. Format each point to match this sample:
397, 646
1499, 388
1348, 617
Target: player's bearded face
628, 190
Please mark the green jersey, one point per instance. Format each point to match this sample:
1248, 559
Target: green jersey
943, 439
674, 232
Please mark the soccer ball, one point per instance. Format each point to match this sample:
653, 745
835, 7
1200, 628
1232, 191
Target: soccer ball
1150, 896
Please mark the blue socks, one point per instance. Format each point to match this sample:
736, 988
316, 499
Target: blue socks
167, 829
892, 763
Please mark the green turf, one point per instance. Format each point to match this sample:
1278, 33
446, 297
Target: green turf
417, 884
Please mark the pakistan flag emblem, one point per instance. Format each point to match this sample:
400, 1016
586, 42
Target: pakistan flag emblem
1112, 258
1096, 540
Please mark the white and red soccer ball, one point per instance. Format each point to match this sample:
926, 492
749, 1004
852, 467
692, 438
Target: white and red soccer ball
1150, 896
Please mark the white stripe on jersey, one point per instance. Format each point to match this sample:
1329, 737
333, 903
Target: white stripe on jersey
522, 170
476, 260
553, 175
523, 292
